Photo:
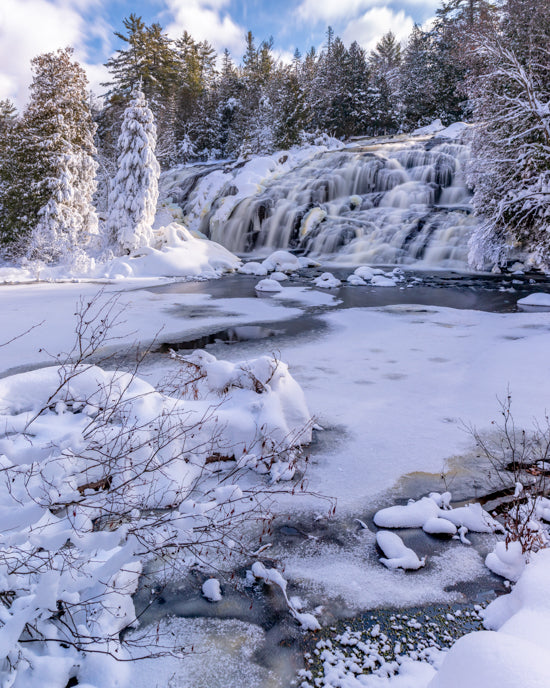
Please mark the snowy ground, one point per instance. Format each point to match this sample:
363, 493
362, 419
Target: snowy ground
392, 387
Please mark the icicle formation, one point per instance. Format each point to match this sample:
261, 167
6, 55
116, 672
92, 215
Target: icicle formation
134, 190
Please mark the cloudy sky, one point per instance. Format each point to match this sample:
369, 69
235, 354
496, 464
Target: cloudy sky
30, 27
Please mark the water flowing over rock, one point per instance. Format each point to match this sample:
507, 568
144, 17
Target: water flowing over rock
403, 202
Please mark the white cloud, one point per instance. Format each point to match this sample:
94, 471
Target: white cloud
31, 27
206, 20
374, 23
331, 10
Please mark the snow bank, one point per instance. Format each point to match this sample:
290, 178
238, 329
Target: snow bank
516, 650
175, 253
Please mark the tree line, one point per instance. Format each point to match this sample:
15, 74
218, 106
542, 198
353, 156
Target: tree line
480, 61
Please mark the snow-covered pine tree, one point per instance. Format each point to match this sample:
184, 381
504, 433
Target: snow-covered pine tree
52, 163
134, 192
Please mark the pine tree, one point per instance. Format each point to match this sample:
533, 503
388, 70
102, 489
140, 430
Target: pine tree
384, 61
419, 99
134, 192
52, 162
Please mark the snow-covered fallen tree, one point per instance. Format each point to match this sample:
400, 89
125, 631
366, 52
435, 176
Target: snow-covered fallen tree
100, 472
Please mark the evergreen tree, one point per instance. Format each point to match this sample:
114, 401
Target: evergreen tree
419, 99
384, 61
134, 192
51, 150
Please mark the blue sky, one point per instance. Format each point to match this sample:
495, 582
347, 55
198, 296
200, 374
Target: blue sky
30, 27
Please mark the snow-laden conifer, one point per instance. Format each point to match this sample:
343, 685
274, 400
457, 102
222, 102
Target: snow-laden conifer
47, 210
134, 192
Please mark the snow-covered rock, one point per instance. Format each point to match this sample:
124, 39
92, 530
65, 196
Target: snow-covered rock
383, 281
268, 285
516, 650
327, 281
211, 590
439, 526
252, 268
398, 555
356, 281
411, 515
281, 261
506, 560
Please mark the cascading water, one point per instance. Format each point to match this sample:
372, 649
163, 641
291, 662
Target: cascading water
393, 203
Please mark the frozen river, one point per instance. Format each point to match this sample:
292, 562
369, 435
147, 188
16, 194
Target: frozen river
393, 377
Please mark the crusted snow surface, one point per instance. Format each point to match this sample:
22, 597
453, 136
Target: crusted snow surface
217, 653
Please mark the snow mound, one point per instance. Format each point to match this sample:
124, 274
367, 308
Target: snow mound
356, 281
383, 281
175, 253
398, 555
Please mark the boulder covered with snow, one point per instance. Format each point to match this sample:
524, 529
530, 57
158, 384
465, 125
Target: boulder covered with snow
268, 285
211, 590
282, 261
506, 560
397, 554
252, 268
327, 281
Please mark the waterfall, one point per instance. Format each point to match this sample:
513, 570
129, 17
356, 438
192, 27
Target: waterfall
391, 203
